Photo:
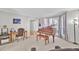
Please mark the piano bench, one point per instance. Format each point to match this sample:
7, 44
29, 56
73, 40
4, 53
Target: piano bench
46, 38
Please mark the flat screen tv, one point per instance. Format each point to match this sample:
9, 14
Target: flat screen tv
16, 21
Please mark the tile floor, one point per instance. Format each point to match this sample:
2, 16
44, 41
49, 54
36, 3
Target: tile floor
27, 44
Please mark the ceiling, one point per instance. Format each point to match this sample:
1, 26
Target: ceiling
37, 12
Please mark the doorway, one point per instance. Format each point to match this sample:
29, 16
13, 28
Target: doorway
33, 27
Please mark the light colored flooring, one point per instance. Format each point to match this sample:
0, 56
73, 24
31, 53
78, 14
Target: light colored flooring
27, 44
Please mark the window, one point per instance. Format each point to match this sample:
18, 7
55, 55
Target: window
50, 21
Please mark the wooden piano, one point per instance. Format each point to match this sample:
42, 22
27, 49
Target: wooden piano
48, 31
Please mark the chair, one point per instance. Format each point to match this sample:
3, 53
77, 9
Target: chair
20, 33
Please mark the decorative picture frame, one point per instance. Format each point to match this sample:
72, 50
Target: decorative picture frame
16, 21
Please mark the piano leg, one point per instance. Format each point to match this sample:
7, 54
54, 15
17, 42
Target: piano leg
53, 38
0, 41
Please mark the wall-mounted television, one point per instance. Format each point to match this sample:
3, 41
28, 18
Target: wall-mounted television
16, 21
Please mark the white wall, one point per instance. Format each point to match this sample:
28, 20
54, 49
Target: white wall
70, 27
7, 19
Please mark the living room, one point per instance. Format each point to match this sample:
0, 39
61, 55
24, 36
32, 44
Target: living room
31, 23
